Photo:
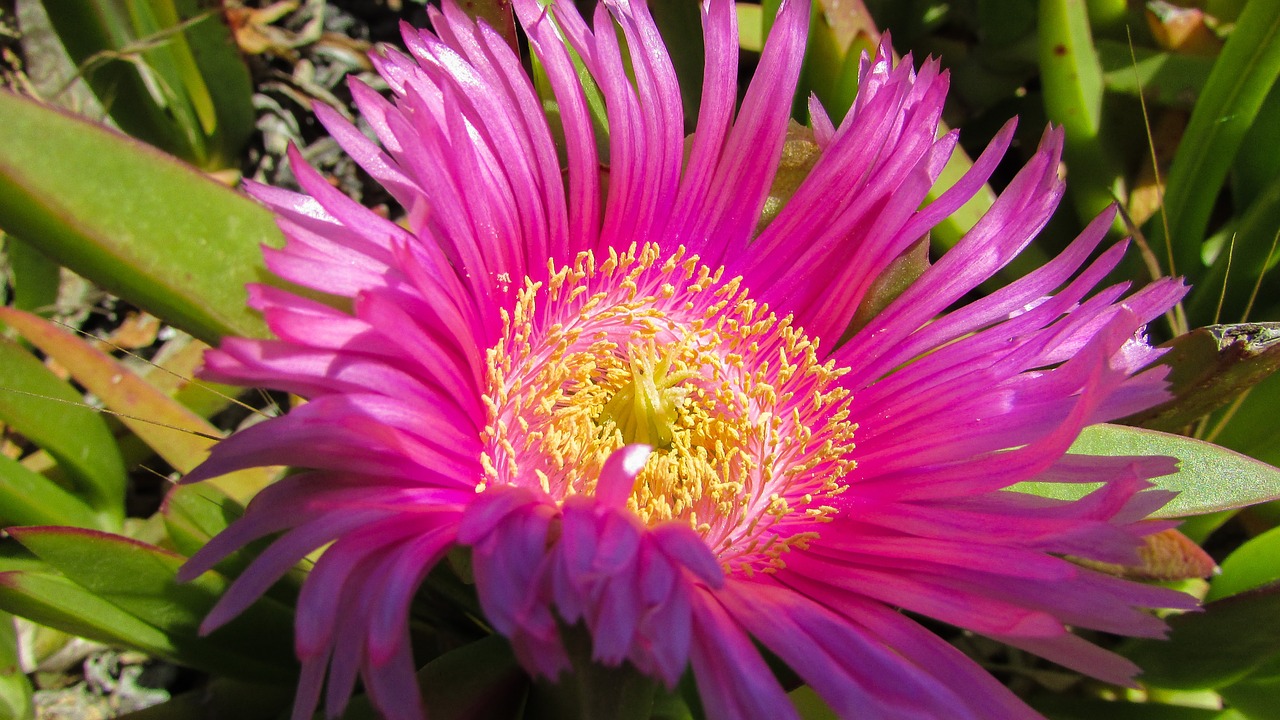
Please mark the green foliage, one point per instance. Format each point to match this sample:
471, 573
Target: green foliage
122, 591
133, 220
47, 411
1209, 478
166, 71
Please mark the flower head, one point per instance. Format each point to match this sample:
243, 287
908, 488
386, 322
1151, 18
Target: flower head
646, 414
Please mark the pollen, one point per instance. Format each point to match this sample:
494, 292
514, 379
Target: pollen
748, 426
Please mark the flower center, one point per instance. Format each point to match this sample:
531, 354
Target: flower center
749, 428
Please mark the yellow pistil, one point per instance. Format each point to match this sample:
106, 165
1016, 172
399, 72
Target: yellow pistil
749, 429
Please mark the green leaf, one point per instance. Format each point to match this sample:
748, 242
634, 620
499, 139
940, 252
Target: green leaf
36, 278
1209, 477
29, 498
55, 601
1210, 366
1257, 699
1252, 429
139, 579
839, 32
810, 706
1253, 171
193, 514
1071, 77
15, 689
1244, 267
1213, 648
750, 26
1252, 565
166, 71
1244, 73
1163, 78
133, 220
48, 412
177, 434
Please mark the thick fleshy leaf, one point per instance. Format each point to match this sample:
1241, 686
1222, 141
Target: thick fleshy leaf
29, 498
1209, 366
839, 32
47, 412
50, 599
177, 434
1253, 171
1252, 565
1216, 647
133, 220
1071, 78
35, 278
140, 579
1244, 73
1209, 477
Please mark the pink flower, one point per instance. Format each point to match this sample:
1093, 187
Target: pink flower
644, 417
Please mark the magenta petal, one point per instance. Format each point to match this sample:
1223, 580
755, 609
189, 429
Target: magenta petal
467, 361
619, 474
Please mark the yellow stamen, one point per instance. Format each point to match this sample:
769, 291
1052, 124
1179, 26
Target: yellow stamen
749, 428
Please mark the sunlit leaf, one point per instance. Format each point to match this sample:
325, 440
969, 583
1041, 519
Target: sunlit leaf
1209, 477
55, 601
193, 514
1252, 565
133, 220
1072, 83
1244, 73
165, 70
